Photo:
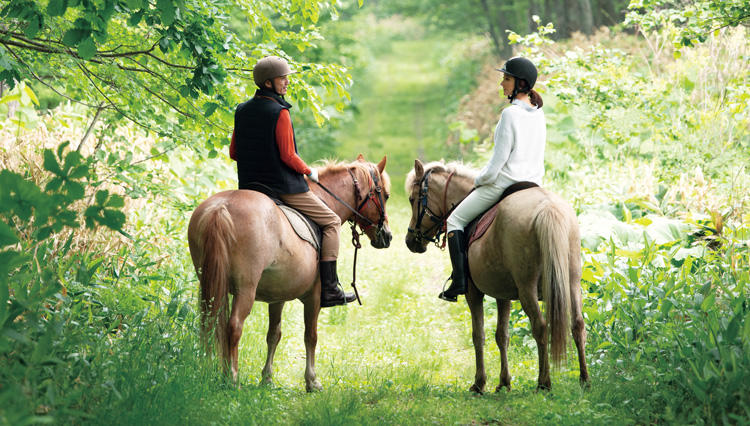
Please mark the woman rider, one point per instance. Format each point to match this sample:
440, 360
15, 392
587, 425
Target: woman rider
265, 149
518, 156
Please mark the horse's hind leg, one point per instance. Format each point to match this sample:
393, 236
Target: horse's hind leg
272, 339
242, 304
312, 309
475, 300
579, 328
528, 295
501, 337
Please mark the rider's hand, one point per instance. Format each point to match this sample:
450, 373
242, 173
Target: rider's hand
313, 175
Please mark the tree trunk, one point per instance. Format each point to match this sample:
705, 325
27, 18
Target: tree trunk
502, 49
564, 14
587, 21
533, 10
608, 13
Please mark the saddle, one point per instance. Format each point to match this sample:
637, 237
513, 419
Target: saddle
477, 227
303, 226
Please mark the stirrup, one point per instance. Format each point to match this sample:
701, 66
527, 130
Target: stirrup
448, 297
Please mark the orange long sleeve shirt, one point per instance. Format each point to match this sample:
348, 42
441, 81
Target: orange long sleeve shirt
285, 142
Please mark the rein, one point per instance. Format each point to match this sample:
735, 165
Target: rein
440, 223
376, 196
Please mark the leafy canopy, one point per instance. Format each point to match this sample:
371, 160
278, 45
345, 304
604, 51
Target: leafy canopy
176, 68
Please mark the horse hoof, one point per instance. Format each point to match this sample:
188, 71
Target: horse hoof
500, 388
314, 387
476, 389
585, 384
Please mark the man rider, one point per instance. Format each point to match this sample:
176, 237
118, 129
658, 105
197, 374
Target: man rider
264, 146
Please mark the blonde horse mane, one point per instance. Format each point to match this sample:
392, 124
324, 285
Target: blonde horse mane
361, 168
459, 169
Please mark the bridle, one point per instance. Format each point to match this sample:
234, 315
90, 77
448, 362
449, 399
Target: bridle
375, 196
439, 222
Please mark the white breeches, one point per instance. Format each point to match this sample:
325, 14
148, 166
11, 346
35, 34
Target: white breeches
481, 199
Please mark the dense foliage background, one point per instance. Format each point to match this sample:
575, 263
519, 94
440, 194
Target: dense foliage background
115, 117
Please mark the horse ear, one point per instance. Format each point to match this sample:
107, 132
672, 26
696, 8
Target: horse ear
418, 169
381, 165
360, 157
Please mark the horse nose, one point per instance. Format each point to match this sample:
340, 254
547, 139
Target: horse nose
388, 238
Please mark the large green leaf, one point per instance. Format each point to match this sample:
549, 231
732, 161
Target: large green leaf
7, 235
87, 48
57, 7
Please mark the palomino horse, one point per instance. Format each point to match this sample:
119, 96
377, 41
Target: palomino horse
532, 249
241, 243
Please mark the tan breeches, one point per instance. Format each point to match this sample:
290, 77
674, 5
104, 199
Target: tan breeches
311, 206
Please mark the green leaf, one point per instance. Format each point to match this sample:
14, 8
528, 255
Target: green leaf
101, 196
708, 302
167, 11
7, 235
75, 190
135, 18
666, 306
31, 94
113, 219
116, 201
79, 171
54, 184
87, 48
73, 36
57, 7
71, 160
34, 25
61, 149
210, 108
50, 163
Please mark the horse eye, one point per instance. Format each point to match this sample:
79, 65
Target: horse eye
411, 200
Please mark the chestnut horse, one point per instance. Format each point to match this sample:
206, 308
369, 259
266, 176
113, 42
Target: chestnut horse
530, 252
241, 243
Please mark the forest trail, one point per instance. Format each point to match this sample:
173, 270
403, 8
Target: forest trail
402, 109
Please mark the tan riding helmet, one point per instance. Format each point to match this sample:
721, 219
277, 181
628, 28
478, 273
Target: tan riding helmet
269, 68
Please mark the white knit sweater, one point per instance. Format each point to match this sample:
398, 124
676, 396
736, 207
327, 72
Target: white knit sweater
518, 154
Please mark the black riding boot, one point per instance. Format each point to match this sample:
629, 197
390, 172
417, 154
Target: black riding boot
457, 250
330, 291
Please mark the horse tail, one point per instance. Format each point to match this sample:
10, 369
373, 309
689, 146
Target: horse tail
216, 229
552, 231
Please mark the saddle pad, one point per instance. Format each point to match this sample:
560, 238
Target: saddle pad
303, 226
482, 223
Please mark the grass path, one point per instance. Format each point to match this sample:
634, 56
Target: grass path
402, 103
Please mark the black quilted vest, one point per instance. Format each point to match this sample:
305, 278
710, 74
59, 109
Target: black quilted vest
258, 156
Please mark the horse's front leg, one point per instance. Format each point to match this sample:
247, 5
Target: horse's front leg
475, 300
272, 339
312, 309
501, 338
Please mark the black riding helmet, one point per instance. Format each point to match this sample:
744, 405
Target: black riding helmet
521, 69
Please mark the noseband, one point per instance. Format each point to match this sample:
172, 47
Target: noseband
439, 222
375, 196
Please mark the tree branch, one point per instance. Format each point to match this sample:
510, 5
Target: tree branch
39, 79
91, 126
